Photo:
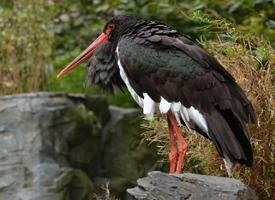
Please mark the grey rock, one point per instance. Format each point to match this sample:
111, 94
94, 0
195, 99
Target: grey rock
98, 104
44, 140
161, 186
57, 146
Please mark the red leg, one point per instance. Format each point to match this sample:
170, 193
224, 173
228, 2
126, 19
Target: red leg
182, 145
182, 149
173, 147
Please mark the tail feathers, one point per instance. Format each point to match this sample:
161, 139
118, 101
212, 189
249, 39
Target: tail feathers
229, 135
241, 105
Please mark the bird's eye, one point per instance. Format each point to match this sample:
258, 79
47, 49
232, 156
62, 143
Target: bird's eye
111, 26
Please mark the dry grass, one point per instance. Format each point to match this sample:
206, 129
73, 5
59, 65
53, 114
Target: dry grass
104, 194
26, 41
257, 79
255, 72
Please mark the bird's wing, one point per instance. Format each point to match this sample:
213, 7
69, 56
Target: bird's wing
178, 70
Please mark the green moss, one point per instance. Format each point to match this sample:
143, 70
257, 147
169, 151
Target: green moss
78, 185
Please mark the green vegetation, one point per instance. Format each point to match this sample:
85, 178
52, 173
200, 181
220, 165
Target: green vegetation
26, 45
39, 37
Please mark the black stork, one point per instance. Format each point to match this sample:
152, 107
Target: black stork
169, 73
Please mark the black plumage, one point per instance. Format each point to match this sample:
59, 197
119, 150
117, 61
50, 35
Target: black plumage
103, 70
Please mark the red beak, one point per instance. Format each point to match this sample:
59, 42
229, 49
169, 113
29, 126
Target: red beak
85, 55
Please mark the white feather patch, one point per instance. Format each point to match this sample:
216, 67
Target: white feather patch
148, 106
184, 115
197, 118
175, 108
124, 77
164, 106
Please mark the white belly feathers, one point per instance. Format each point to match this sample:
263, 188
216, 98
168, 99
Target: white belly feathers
190, 116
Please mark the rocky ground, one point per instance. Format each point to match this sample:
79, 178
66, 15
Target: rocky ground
56, 146
158, 185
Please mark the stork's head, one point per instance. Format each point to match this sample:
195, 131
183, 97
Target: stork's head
113, 30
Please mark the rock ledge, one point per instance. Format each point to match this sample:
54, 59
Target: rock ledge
158, 185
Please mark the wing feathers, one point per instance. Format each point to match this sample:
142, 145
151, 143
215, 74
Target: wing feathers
229, 136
